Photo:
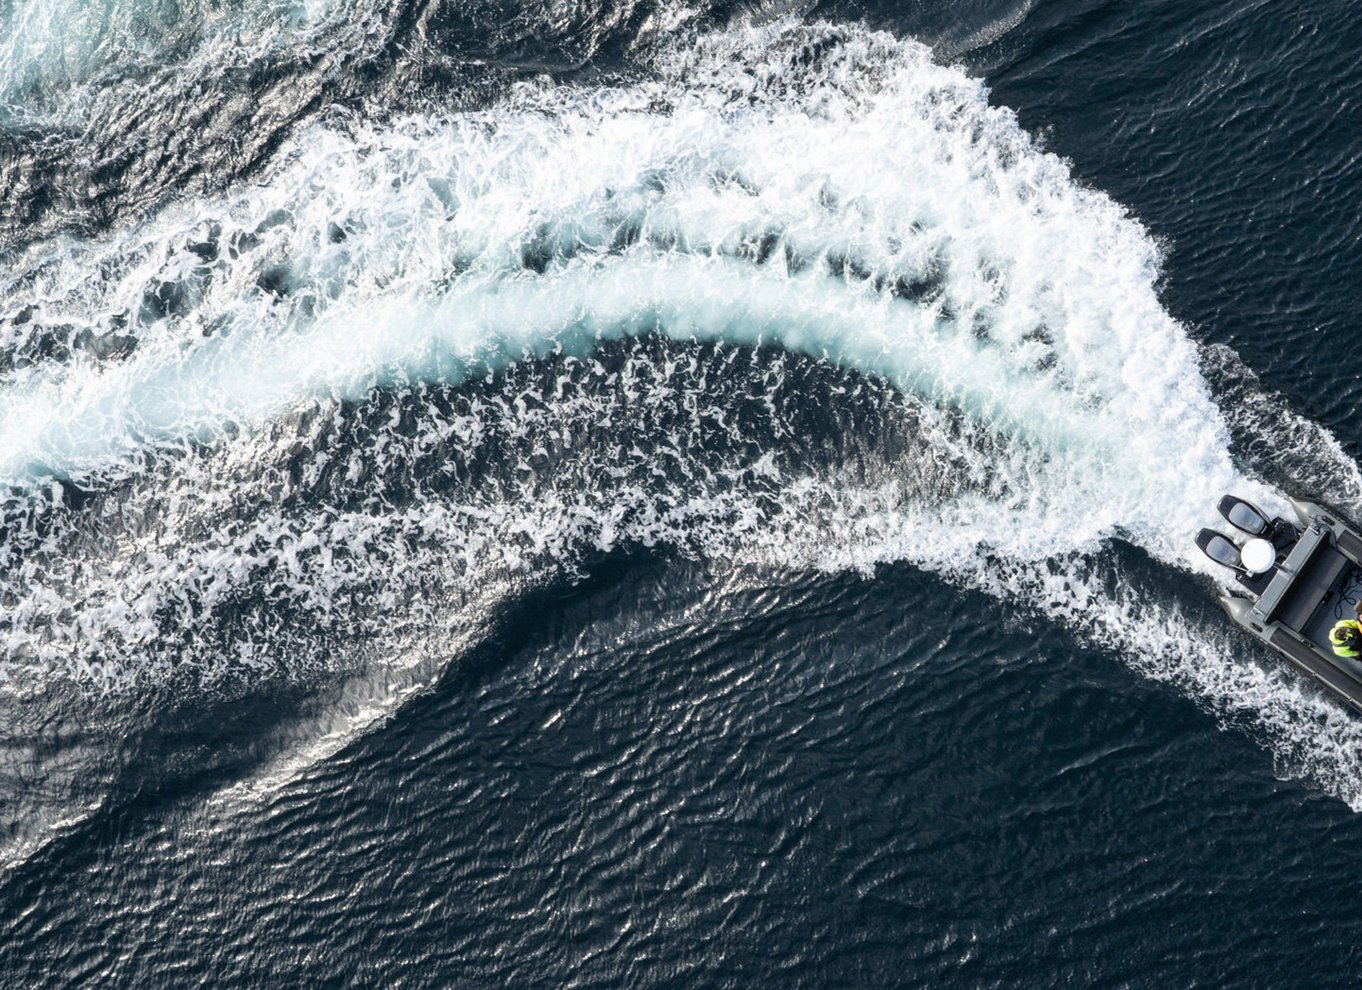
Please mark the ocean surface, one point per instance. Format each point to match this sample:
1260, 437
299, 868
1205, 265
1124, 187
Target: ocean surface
655, 494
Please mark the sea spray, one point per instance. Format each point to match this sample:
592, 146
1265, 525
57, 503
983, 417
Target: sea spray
398, 371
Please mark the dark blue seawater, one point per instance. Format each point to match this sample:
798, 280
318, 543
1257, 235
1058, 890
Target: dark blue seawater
642, 495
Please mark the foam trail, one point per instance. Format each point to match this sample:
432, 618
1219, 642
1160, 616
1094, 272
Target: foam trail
73, 425
990, 282
830, 191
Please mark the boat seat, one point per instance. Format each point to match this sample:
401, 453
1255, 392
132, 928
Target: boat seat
1311, 587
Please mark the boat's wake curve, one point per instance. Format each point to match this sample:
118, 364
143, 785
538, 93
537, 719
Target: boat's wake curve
801, 299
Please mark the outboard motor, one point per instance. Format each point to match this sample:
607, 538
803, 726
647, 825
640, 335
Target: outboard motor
1220, 548
1243, 515
1248, 518
1252, 566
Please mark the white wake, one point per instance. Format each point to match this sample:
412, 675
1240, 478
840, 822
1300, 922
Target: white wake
830, 191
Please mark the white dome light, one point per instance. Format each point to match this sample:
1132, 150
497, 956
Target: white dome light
1257, 556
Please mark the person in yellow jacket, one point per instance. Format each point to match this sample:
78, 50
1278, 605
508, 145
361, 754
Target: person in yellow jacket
1346, 636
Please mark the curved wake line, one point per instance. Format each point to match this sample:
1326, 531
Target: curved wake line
828, 192
853, 200
76, 425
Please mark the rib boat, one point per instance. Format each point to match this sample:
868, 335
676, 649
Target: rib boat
1293, 580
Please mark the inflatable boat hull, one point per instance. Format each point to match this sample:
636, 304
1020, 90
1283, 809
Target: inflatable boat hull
1316, 582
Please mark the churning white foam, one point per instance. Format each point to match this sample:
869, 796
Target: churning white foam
872, 208
831, 191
